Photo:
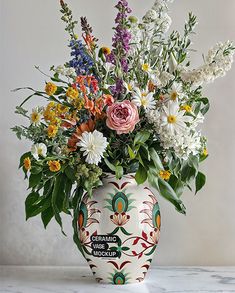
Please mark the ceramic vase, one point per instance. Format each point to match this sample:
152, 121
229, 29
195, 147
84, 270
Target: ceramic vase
119, 230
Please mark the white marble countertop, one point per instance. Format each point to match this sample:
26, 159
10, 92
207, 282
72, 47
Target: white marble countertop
15, 279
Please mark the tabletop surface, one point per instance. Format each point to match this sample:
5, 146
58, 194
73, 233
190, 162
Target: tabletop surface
19, 279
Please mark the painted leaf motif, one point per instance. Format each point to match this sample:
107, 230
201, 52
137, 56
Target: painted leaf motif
136, 241
144, 235
144, 245
134, 253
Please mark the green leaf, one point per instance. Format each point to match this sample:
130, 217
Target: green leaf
119, 172
124, 231
36, 170
141, 137
34, 180
34, 205
46, 216
57, 190
156, 159
70, 173
169, 194
200, 181
141, 175
131, 153
111, 166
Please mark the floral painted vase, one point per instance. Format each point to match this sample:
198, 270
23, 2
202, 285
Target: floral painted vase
119, 229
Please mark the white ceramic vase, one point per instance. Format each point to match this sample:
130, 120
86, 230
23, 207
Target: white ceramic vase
119, 230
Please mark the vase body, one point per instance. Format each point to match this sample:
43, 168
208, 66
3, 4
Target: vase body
119, 229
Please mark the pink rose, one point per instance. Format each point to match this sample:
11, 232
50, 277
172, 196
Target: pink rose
122, 117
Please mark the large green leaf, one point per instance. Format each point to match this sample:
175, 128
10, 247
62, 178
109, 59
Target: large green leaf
34, 180
46, 216
34, 205
156, 159
200, 181
57, 199
166, 191
141, 137
141, 175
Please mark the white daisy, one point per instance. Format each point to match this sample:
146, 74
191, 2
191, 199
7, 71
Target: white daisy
144, 99
173, 119
93, 144
36, 116
129, 86
39, 149
175, 93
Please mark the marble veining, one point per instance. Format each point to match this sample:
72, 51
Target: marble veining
79, 280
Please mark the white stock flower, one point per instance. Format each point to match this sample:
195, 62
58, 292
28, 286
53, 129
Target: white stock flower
70, 72
150, 16
39, 149
144, 99
173, 119
60, 69
217, 62
93, 145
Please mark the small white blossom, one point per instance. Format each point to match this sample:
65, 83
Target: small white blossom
39, 149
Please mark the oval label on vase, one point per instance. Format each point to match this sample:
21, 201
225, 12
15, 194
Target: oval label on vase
100, 245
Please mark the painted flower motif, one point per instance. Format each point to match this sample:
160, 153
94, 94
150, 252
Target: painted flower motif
153, 218
120, 219
143, 99
39, 149
173, 119
86, 212
122, 117
155, 235
93, 145
84, 236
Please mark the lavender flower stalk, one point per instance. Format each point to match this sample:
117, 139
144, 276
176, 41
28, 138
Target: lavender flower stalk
121, 43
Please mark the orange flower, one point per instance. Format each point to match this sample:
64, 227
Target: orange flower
54, 166
108, 100
27, 163
151, 86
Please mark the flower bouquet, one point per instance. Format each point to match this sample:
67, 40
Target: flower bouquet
125, 116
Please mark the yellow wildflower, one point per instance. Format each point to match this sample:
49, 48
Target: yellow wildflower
145, 67
186, 108
106, 50
50, 88
165, 175
205, 152
72, 93
61, 109
52, 130
54, 166
27, 163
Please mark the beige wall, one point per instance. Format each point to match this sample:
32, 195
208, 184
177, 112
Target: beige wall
32, 34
